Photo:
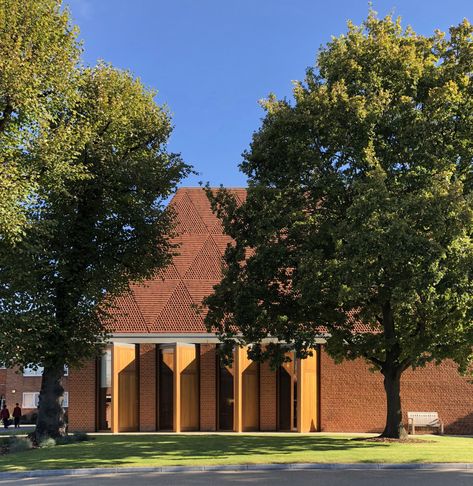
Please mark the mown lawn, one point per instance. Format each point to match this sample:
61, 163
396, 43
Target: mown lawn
180, 450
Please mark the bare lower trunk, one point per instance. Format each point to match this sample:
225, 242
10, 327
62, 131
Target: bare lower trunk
50, 422
392, 385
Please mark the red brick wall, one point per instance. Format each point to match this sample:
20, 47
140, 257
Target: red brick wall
208, 388
147, 397
82, 398
353, 399
3, 382
16, 384
268, 390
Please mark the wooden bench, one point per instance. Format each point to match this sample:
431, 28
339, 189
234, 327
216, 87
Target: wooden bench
423, 419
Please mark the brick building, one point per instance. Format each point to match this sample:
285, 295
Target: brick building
160, 370
23, 387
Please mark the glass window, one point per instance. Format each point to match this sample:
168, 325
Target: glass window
30, 399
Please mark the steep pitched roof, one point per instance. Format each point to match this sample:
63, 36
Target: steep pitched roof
167, 303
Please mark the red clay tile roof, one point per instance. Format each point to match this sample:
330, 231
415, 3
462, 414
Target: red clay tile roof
167, 303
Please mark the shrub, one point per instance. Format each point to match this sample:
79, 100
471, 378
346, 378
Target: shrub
47, 442
81, 436
19, 444
66, 439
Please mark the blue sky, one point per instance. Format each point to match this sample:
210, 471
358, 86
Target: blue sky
212, 60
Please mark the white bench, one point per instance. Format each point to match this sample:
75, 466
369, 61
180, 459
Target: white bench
423, 419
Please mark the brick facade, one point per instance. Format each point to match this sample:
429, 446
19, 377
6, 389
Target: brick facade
147, 387
353, 400
3, 382
82, 398
268, 397
208, 388
15, 384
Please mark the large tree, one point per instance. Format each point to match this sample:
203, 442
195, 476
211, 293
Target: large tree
39, 54
88, 238
359, 216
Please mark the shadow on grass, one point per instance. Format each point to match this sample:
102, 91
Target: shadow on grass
112, 451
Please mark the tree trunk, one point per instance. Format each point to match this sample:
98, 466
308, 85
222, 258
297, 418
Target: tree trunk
392, 385
50, 422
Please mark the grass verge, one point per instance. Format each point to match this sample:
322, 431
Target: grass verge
185, 450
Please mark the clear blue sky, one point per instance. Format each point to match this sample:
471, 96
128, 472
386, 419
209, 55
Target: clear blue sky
212, 60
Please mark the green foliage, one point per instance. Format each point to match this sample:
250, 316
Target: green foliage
359, 206
19, 444
72, 438
90, 237
81, 437
47, 443
84, 175
39, 54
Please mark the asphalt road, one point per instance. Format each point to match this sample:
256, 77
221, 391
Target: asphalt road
262, 478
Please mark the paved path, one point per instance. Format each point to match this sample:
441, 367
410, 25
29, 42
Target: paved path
262, 478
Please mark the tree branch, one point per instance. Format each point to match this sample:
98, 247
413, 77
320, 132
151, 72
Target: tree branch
7, 112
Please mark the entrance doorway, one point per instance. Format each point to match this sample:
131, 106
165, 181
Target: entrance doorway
225, 396
287, 395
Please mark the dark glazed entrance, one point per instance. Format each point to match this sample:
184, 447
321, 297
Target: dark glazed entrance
287, 395
166, 388
225, 396
284, 399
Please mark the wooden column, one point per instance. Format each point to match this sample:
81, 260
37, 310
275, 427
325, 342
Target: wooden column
189, 389
177, 390
246, 392
238, 357
114, 424
124, 388
307, 395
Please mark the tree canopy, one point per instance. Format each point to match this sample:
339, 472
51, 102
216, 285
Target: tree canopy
39, 54
359, 216
90, 237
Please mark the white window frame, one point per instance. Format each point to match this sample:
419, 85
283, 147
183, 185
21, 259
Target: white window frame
33, 398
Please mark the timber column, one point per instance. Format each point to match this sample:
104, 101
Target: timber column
246, 392
186, 388
124, 388
307, 393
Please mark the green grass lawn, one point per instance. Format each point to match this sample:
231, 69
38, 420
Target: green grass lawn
180, 450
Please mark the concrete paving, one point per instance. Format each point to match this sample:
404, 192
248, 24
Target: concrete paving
262, 478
